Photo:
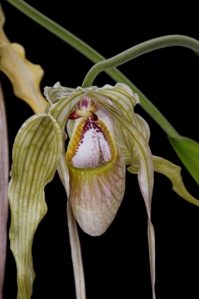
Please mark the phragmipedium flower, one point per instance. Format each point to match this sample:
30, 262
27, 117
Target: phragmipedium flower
105, 135
96, 167
99, 132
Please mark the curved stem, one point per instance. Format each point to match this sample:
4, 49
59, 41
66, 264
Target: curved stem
138, 50
95, 57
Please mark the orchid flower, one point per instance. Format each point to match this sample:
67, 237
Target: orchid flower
105, 135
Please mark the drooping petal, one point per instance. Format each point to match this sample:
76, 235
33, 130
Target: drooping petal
24, 75
73, 234
76, 254
172, 171
145, 172
36, 153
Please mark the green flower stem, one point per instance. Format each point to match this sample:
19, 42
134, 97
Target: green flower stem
95, 57
138, 50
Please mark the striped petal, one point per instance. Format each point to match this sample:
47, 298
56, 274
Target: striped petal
36, 153
145, 172
73, 235
172, 171
123, 97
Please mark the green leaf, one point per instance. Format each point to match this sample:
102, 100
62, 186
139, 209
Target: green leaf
188, 151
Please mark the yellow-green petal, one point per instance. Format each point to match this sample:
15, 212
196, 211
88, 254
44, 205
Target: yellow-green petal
73, 234
62, 101
36, 153
172, 171
24, 75
145, 172
122, 96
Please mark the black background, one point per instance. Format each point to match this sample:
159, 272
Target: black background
116, 264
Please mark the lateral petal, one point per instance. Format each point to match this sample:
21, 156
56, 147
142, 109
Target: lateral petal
172, 171
36, 153
145, 172
122, 96
73, 234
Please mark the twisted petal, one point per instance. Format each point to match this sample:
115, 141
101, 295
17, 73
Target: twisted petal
36, 153
24, 75
172, 171
73, 235
145, 173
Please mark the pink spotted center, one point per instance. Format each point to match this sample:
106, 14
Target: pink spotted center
93, 149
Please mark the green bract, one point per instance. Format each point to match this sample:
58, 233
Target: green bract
100, 121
